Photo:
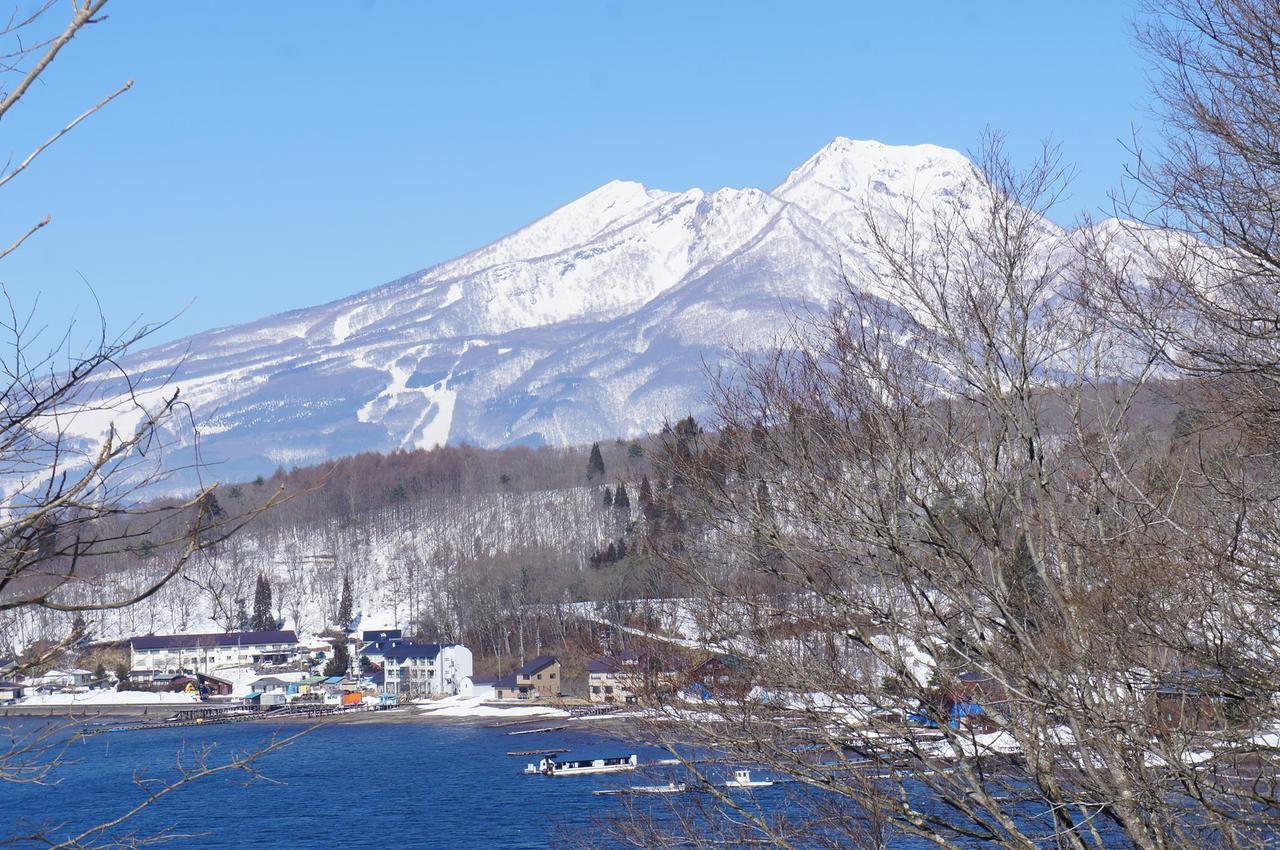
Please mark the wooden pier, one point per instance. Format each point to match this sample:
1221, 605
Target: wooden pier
538, 731
215, 716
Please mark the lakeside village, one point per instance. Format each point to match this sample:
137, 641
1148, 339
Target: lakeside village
198, 679
202, 676
259, 674
190, 679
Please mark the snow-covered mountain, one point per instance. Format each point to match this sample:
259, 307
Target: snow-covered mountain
596, 321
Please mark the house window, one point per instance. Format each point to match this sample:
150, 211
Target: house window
551, 675
539, 677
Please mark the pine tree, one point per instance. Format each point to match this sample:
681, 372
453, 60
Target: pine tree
621, 500
341, 660
99, 672
345, 605
595, 464
263, 620
257, 603
608, 497
1025, 587
79, 629
268, 619
648, 507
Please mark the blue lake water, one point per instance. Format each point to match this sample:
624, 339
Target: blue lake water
346, 785
349, 785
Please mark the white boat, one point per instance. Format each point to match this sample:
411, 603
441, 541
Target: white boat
669, 788
742, 779
583, 767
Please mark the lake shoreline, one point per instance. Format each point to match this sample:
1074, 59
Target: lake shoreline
401, 715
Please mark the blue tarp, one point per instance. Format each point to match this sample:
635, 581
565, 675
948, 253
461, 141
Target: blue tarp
956, 713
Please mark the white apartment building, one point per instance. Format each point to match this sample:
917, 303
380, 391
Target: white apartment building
412, 670
206, 653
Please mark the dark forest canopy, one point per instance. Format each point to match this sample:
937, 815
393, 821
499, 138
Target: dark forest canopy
372, 480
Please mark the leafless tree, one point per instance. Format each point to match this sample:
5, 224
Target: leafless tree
961, 589
80, 446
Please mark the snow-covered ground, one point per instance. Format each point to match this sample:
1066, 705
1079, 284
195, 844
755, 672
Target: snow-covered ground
457, 706
109, 697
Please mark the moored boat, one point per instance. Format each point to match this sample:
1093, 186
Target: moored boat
742, 779
581, 767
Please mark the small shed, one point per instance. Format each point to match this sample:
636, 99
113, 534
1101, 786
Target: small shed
481, 687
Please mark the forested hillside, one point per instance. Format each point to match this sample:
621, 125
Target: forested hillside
456, 543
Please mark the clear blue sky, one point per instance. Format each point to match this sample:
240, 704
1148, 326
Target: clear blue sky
280, 155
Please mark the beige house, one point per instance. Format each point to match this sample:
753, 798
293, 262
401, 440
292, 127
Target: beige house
538, 679
624, 678
615, 678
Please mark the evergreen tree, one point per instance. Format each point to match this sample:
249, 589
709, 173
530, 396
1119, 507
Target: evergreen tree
621, 500
99, 672
608, 497
648, 507
263, 619
79, 629
341, 660
257, 602
595, 464
1024, 585
345, 606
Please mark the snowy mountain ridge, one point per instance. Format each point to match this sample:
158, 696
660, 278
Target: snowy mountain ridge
594, 321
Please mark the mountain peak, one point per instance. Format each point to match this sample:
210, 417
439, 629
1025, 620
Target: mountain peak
846, 173
594, 320
845, 160
616, 191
